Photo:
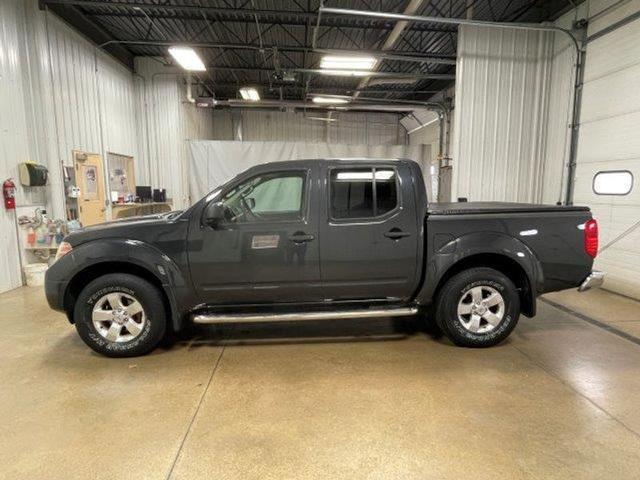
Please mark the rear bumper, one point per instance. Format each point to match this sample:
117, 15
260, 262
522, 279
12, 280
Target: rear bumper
595, 279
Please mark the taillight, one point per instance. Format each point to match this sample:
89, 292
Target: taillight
591, 238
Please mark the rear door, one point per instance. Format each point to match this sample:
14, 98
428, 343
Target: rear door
369, 232
266, 250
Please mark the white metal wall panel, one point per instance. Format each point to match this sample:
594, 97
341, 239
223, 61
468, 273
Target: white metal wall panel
54, 101
198, 125
429, 135
349, 128
164, 159
74, 99
273, 126
165, 121
603, 13
501, 109
92, 96
557, 127
609, 139
222, 125
14, 141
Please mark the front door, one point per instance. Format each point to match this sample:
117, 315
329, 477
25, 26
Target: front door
266, 248
90, 180
369, 240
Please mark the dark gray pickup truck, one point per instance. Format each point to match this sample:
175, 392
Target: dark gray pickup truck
320, 239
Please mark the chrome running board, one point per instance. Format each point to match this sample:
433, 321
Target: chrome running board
286, 317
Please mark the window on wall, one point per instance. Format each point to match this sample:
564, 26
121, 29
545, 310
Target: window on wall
362, 192
613, 182
122, 180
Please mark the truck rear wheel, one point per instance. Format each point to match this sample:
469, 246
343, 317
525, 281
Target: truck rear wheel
120, 315
478, 307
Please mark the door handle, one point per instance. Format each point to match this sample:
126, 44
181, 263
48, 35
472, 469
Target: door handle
396, 234
301, 237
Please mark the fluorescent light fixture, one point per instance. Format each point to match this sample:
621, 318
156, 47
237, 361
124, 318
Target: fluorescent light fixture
249, 93
346, 73
330, 100
347, 62
187, 58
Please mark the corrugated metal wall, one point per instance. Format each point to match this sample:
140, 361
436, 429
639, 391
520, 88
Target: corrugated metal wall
429, 135
14, 134
59, 94
349, 127
500, 149
557, 128
165, 122
609, 139
74, 97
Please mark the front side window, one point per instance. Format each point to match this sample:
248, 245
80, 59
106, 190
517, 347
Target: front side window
269, 197
362, 192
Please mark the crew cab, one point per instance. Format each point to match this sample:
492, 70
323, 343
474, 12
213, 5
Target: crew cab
320, 239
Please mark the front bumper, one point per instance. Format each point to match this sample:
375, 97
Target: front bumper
595, 279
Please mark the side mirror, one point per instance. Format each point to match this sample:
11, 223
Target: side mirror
214, 213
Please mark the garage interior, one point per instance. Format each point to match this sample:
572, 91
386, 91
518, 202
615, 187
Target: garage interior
498, 100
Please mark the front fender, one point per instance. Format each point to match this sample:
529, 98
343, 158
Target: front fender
442, 258
173, 280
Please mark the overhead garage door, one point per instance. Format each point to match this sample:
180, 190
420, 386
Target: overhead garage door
610, 141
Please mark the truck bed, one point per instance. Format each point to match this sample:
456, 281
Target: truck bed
469, 208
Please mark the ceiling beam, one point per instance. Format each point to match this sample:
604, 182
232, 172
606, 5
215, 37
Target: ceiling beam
93, 31
266, 21
417, 75
242, 15
394, 36
317, 89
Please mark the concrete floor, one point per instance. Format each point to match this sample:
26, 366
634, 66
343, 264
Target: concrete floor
349, 400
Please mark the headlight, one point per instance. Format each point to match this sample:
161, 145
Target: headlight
63, 249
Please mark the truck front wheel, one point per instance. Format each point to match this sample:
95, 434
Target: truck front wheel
120, 315
478, 307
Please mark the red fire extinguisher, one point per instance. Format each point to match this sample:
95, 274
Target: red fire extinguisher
9, 193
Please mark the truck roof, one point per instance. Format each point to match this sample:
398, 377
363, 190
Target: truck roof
306, 162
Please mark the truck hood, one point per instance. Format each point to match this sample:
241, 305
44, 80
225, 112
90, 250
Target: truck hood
138, 228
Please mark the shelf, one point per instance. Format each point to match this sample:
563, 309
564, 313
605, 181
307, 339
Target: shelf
43, 247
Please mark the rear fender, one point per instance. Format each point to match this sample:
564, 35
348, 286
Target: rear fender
475, 246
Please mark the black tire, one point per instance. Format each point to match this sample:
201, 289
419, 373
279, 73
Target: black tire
152, 330
458, 288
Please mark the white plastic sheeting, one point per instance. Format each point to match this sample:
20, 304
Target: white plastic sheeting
215, 162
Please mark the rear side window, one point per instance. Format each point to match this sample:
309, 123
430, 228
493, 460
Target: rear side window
362, 192
613, 182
